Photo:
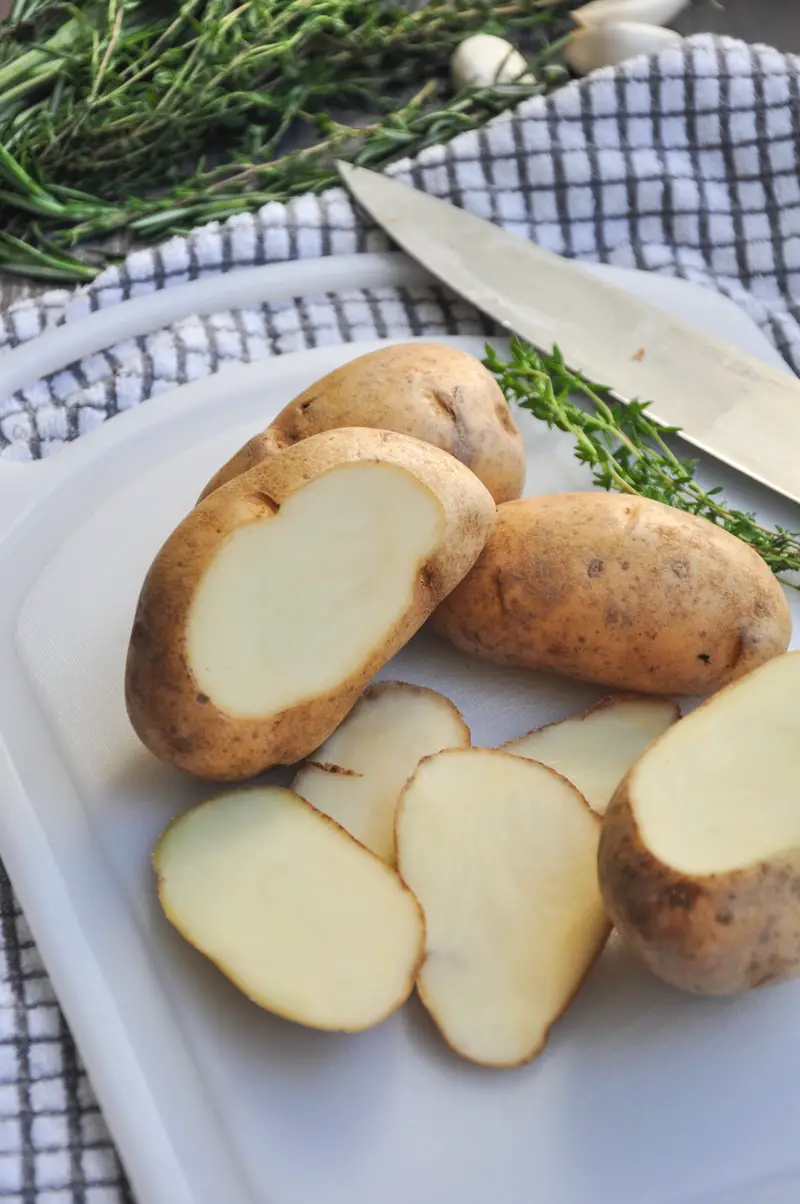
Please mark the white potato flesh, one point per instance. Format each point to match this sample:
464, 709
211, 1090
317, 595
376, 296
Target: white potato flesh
292, 605
357, 775
595, 750
501, 853
304, 920
720, 790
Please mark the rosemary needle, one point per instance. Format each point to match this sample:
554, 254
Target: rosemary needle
626, 449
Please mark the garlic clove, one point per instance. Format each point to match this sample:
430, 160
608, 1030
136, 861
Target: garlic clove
607, 45
484, 59
650, 12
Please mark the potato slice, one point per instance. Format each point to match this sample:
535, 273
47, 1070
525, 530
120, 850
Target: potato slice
357, 775
275, 601
502, 854
595, 750
433, 392
699, 857
303, 919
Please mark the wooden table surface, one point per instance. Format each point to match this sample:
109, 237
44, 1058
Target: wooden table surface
776, 22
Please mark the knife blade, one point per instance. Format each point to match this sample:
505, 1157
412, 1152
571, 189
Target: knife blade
728, 404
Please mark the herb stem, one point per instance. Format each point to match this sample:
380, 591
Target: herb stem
627, 450
106, 117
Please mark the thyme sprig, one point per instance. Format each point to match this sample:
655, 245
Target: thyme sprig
626, 449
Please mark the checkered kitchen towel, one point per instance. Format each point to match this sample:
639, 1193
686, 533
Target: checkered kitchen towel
686, 164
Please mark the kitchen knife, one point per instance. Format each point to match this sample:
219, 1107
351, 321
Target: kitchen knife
731, 405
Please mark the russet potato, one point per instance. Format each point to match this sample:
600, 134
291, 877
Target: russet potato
699, 857
430, 391
269, 608
620, 591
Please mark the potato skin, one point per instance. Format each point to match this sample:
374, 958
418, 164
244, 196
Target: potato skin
181, 725
430, 391
719, 934
619, 591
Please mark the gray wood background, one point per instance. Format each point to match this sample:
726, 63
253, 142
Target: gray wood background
776, 22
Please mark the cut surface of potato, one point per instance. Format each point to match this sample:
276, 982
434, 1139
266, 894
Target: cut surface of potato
357, 775
724, 794
595, 750
305, 921
699, 857
502, 855
345, 552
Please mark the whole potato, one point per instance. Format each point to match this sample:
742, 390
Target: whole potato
620, 591
699, 855
270, 607
427, 390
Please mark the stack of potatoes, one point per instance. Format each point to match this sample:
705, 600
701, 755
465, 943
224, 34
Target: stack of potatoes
388, 494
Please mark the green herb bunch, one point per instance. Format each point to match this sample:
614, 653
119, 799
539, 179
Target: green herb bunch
146, 118
626, 449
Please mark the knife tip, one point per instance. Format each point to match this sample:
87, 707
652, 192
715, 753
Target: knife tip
346, 170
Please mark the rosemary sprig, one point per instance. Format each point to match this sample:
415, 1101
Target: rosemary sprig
233, 188
124, 104
626, 449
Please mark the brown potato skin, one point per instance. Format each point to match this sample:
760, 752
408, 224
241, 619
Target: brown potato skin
430, 391
619, 591
170, 715
719, 934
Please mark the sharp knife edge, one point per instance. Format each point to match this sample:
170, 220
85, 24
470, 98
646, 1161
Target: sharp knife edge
727, 404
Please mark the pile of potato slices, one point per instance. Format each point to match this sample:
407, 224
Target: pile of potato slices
386, 496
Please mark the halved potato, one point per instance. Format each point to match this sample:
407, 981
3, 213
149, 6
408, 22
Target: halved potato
357, 775
502, 855
699, 856
303, 919
428, 390
595, 750
273, 603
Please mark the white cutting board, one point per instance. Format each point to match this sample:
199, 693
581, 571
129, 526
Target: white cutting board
643, 1095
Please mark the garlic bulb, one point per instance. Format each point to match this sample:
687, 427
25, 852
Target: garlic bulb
607, 45
649, 12
484, 60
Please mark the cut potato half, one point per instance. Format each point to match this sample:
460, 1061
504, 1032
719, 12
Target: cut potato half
501, 853
277, 599
595, 750
699, 858
303, 919
357, 775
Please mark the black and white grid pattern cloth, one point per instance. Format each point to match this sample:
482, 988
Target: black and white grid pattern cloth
687, 164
